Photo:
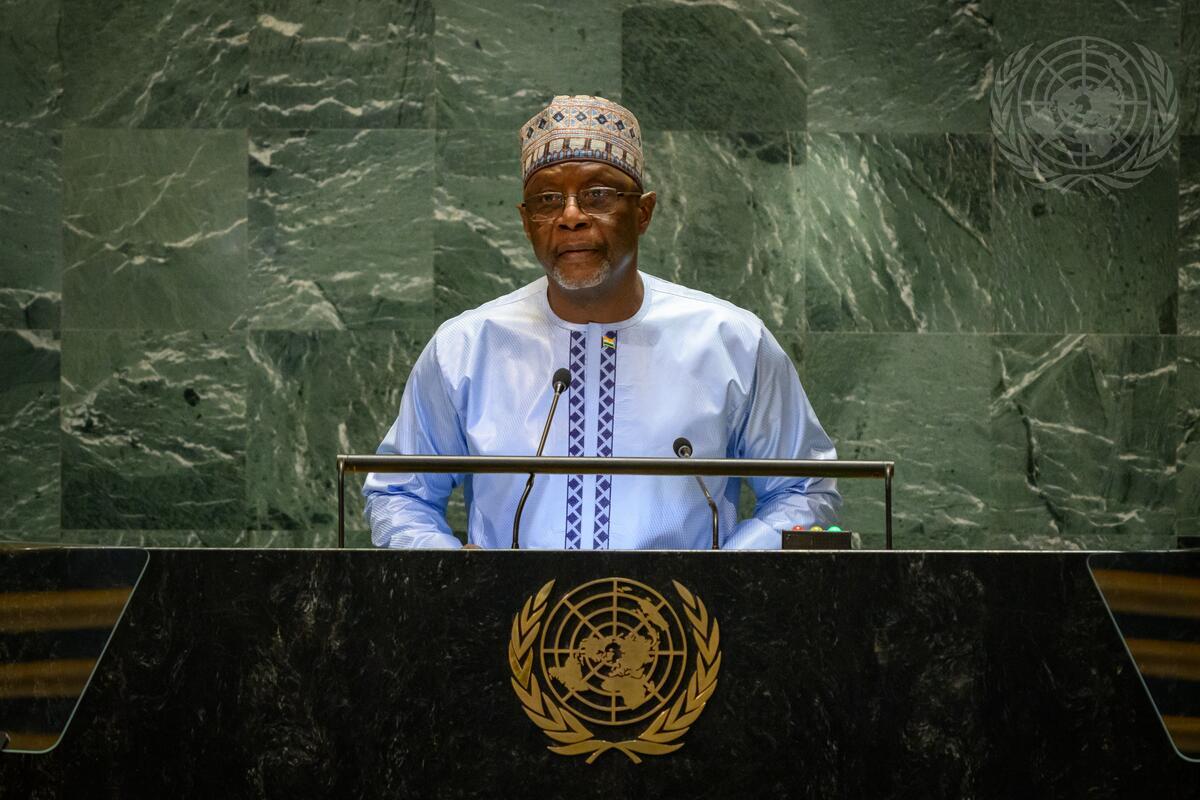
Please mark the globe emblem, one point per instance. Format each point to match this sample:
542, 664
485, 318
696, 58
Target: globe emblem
613, 651
1087, 102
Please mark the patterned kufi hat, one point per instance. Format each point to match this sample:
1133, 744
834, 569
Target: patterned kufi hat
582, 128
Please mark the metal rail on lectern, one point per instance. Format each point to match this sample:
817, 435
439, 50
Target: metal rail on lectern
593, 465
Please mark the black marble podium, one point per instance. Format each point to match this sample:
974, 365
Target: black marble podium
351, 674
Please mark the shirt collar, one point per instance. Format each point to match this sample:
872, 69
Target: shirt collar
544, 301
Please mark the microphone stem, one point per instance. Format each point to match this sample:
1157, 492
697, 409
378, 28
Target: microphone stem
529, 482
716, 542
549, 419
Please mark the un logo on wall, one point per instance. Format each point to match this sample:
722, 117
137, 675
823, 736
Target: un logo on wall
1084, 111
613, 653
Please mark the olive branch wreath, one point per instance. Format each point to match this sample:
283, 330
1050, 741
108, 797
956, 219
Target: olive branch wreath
1018, 149
575, 738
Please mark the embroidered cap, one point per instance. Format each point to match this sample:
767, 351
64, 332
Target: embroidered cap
581, 127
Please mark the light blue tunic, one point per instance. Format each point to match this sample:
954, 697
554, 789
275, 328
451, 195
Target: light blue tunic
687, 364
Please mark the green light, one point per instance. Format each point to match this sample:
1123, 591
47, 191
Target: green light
834, 529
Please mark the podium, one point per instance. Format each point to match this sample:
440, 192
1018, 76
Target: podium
349, 673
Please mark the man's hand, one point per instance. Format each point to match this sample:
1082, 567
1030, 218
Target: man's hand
471, 547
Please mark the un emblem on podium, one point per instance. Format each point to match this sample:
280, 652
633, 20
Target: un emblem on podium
614, 654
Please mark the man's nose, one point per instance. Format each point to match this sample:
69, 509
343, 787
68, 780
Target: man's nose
572, 218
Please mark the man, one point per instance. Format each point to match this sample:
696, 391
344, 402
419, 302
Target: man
649, 361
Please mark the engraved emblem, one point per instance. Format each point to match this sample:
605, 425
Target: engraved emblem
614, 654
1084, 112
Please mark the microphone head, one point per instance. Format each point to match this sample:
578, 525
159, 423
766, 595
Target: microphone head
561, 379
682, 447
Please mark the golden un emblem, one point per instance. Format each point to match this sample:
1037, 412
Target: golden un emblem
613, 653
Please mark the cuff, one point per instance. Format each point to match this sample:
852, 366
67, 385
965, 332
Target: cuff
753, 534
424, 540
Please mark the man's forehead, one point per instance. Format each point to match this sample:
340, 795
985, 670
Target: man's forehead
573, 171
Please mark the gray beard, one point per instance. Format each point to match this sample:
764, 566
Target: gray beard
595, 279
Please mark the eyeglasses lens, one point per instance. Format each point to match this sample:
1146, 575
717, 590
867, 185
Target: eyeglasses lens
548, 205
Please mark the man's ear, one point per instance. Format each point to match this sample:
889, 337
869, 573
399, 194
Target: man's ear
645, 211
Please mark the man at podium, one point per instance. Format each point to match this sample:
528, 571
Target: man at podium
646, 362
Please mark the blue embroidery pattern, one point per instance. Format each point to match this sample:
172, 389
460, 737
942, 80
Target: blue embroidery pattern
575, 440
604, 437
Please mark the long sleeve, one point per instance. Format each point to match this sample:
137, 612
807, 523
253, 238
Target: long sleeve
409, 509
780, 423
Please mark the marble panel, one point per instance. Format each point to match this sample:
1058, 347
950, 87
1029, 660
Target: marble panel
343, 64
1189, 68
155, 229
31, 256
341, 229
31, 79
727, 219
480, 249
1187, 522
153, 430
897, 233
1086, 261
909, 67
918, 400
499, 64
312, 396
1189, 236
22, 538
130, 64
1084, 439
1154, 23
714, 66
29, 449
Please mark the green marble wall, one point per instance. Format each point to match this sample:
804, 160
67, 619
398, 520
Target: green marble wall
226, 231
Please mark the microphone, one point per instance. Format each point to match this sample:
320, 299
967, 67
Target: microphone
683, 449
560, 381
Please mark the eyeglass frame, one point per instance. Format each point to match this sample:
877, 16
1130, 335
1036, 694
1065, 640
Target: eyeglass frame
568, 195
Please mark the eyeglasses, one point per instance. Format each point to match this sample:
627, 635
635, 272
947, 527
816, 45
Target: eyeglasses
596, 201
